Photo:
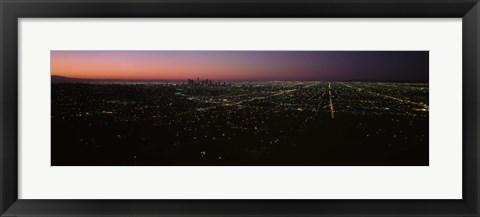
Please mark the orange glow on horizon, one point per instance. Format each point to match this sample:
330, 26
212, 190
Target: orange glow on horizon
120, 67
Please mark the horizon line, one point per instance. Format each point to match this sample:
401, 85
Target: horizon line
232, 80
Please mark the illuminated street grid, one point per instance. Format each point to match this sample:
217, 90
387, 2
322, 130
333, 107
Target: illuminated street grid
240, 123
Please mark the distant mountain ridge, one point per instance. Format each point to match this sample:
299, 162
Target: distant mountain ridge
63, 79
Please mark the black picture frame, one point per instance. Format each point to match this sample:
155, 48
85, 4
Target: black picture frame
11, 10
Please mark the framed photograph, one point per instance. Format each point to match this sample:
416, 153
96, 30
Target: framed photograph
176, 108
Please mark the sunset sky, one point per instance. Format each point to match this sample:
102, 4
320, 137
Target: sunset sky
409, 66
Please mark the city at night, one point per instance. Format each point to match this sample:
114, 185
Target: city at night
240, 108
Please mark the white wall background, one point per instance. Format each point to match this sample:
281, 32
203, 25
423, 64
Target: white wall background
441, 180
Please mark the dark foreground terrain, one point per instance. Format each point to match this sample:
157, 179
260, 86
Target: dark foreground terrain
249, 123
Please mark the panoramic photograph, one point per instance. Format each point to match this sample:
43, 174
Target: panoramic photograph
239, 108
